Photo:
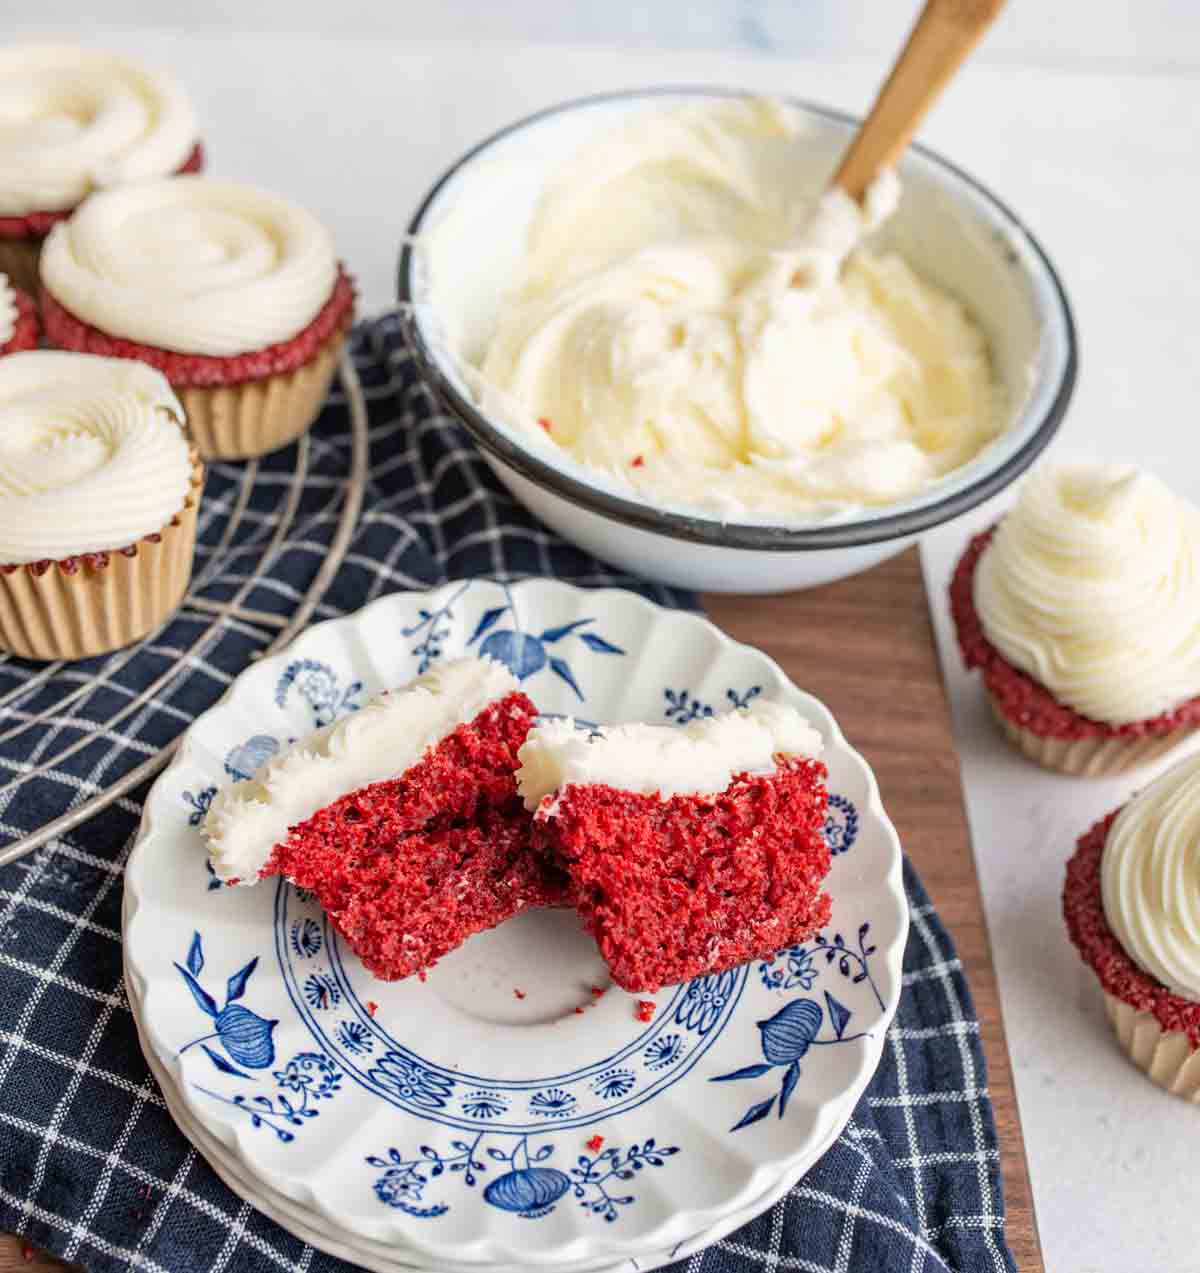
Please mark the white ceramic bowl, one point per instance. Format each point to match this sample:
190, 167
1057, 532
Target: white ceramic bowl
948, 226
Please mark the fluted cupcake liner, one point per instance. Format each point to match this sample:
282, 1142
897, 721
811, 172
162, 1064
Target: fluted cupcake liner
97, 602
249, 419
1096, 757
19, 260
1165, 1056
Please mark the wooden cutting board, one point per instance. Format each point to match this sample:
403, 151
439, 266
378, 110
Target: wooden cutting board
865, 647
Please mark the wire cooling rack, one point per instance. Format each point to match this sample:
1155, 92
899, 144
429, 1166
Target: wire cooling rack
52, 715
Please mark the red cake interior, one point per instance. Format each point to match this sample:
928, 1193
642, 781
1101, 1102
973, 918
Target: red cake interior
673, 889
407, 869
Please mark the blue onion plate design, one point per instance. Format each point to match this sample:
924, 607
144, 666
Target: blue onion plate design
513, 1102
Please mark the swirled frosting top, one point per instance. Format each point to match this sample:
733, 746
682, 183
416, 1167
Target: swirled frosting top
1091, 585
192, 265
76, 120
92, 455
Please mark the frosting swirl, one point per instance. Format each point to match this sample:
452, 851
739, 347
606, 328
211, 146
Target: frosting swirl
1150, 879
1091, 585
191, 265
92, 455
74, 120
8, 311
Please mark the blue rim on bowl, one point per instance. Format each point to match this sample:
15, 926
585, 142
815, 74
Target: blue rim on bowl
708, 530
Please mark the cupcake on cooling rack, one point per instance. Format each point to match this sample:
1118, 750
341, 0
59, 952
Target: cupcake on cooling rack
18, 320
98, 498
234, 294
1132, 906
1082, 610
73, 121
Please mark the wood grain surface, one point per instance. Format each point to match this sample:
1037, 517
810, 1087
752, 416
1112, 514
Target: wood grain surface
864, 646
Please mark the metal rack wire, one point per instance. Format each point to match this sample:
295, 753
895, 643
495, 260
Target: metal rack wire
219, 612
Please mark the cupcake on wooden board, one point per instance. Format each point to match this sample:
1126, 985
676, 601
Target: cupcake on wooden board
1082, 610
1132, 906
234, 294
18, 320
98, 498
77, 120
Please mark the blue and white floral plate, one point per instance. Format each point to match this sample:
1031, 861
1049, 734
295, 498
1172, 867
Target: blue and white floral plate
501, 1111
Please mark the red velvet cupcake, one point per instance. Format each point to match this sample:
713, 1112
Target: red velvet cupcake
1081, 612
688, 851
235, 295
1132, 906
88, 121
18, 320
402, 818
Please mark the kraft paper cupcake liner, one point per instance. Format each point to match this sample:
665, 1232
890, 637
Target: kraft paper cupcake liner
97, 602
1165, 1056
1097, 757
19, 260
246, 420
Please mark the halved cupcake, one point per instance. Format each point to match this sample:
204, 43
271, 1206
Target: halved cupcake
98, 498
78, 120
690, 850
234, 294
1132, 906
403, 818
1082, 610
18, 320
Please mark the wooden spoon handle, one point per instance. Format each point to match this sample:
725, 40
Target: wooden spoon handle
945, 33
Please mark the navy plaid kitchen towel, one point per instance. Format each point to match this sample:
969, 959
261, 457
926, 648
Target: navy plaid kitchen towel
91, 1166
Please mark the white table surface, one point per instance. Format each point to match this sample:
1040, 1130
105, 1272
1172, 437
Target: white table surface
1097, 153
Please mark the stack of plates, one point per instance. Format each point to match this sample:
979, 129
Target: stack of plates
513, 1110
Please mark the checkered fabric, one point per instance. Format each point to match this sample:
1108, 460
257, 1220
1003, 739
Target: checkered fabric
91, 1166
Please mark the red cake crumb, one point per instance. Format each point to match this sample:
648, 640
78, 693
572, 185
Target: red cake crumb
1021, 699
25, 330
545, 424
578, 1012
26, 1251
646, 1008
597, 991
519, 993
408, 868
1083, 909
673, 889
638, 461
372, 1007
36, 225
422, 976
595, 1144
65, 331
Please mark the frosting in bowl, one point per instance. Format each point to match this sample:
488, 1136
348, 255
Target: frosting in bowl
701, 758
1150, 879
8, 310
1091, 585
92, 455
75, 120
192, 265
390, 734
683, 323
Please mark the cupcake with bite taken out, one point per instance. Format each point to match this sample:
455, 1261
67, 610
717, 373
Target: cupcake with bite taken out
18, 320
78, 120
1082, 610
1132, 906
98, 497
234, 294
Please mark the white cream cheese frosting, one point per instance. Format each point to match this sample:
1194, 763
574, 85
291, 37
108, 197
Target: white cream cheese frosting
683, 323
386, 737
192, 265
1091, 585
92, 454
8, 310
75, 120
701, 758
1150, 879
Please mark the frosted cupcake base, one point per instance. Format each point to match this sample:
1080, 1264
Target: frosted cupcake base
1165, 1056
242, 421
1089, 757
